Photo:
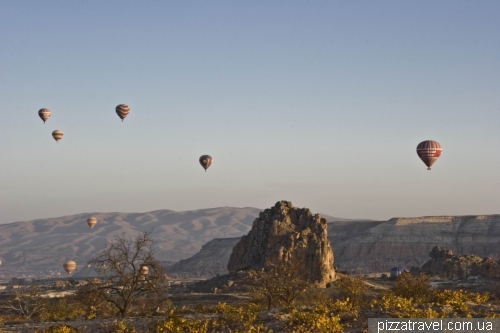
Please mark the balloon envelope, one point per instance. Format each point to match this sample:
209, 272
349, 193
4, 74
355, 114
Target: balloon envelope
44, 114
429, 151
91, 221
69, 266
57, 135
205, 161
122, 111
144, 270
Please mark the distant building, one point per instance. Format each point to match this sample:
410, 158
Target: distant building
396, 271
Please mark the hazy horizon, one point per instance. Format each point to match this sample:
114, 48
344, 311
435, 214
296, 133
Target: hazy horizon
321, 104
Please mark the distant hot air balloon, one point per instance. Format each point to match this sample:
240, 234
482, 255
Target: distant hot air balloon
69, 266
91, 221
144, 270
44, 114
122, 111
205, 161
429, 151
0, 262
57, 135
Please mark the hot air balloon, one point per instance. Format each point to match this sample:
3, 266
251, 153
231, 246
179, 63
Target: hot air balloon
69, 266
144, 270
57, 135
44, 114
91, 221
429, 151
205, 161
122, 111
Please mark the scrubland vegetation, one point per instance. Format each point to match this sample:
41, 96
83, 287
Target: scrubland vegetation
129, 299
345, 305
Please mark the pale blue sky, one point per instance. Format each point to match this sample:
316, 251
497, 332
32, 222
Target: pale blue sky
318, 102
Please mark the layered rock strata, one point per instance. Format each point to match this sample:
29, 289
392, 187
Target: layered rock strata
377, 246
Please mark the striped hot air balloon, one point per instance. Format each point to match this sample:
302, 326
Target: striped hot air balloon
57, 135
44, 114
69, 266
91, 221
205, 161
122, 111
429, 151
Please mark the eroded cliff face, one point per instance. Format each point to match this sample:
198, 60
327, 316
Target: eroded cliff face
289, 234
363, 247
376, 246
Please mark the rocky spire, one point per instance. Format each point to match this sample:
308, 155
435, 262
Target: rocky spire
286, 233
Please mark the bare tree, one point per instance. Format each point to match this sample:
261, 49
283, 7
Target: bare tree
127, 268
25, 299
282, 282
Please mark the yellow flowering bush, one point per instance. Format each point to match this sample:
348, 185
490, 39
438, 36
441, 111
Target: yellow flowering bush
400, 307
60, 329
119, 327
178, 325
319, 320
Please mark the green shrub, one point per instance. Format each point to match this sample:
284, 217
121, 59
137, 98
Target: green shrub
62, 309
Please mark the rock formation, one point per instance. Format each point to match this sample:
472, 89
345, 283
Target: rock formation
286, 233
488, 268
443, 263
376, 246
210, 261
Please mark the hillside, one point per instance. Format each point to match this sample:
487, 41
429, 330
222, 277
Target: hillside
39, 247
42, 245
375, 246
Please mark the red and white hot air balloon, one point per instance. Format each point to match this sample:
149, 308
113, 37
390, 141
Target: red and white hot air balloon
429, 151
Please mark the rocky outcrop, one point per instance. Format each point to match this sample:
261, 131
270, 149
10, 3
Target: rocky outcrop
286, 233
210, 261
444, 264
488, 268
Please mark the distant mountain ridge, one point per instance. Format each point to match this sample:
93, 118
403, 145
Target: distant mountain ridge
42, 245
